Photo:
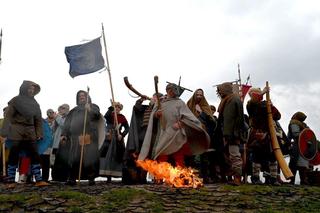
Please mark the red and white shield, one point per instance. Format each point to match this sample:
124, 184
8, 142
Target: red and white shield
308, 145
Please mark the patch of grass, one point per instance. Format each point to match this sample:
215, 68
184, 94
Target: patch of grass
312, 189
76, 209
73, 195
249, 188
307, 204
121, 198
283, 189
270, 210
179, 211
12, 198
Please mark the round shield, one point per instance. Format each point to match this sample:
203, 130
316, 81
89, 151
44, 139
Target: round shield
316, 160
101, 130
308, 146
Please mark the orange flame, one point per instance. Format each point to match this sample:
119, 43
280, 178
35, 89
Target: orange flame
176, 176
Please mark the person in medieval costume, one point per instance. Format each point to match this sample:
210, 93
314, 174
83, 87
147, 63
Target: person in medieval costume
112, 150
218, 165
297, 162
45, 156
232, 124
202, 110
259, 142
138, 127
23, 127
58, 124
25, 175
72, 139
3, 149
51, 115
181, 133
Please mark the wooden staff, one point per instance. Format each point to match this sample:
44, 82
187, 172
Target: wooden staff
82, 139
274, 141
162, 121
3, 156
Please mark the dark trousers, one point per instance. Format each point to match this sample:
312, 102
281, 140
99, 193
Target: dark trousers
45, 165
30, 147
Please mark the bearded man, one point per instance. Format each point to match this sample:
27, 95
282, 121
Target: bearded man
70, 145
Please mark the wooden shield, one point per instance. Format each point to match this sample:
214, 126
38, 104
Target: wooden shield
316, 160
308, 145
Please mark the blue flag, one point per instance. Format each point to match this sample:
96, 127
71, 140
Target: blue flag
85, 58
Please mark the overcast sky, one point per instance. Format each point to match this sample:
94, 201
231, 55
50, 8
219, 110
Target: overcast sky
200, 40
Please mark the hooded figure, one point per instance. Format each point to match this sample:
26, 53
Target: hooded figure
202, 110
297, 162
181, 134
23, 126
68, 155
232, 124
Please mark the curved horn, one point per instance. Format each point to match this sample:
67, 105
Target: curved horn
126, 81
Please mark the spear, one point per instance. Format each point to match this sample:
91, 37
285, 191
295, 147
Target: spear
239, 74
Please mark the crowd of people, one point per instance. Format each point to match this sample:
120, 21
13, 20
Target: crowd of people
82, 144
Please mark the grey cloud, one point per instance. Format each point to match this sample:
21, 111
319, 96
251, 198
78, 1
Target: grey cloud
291, 55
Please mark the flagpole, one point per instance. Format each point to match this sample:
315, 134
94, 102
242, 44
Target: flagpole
0, 44
110, 81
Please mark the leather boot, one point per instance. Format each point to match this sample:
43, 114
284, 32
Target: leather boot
303, 176
236, 180
256, 180
41, 184
274, 181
